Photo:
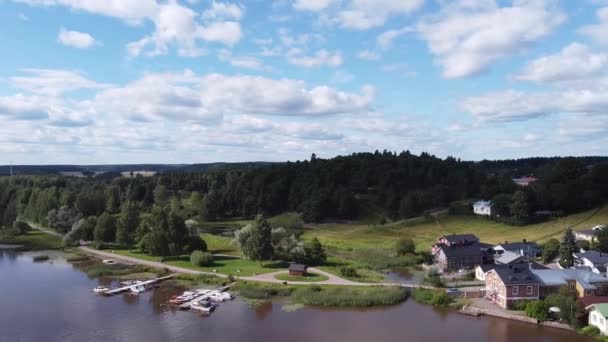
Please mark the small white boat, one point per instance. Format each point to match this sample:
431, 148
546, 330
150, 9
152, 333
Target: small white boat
108, 261
101, 289
137, 289
221, 297
184, 297
203, 306
130, 282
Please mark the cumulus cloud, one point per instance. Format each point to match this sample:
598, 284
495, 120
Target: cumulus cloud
175, 24
598, 31
368, 55
467, 38
359, 14
22, 107
574, 62
385, 40
53, 82
79, 40
322, 57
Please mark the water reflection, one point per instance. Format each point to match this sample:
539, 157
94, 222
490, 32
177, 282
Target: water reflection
56, 300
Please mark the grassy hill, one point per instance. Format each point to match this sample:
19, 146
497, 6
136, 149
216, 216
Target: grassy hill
425, 231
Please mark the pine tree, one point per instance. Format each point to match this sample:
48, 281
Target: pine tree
127, 224
567, 248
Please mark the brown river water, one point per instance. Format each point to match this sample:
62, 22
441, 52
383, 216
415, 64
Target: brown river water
52, 301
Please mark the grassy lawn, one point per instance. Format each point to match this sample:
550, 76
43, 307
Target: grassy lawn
310, 277
33, 240
346, 237
224, 265
219, 244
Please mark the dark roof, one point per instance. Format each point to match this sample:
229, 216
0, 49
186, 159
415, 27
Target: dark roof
487, 267
597, 258
516, 274
473, 249
590, 232
297, 267
517, 246
462, 238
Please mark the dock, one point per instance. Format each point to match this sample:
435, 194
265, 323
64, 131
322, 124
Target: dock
186, 305
143, 283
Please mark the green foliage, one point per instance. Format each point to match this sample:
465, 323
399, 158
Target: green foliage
520, 206
348, 271
105, 229
255, 240
433, 278
550, 250
565, 300
537, 309
441, 298
127, 224
602, 241
350, 296
195, 243
379, 259
21, 227
262, 291
567, 248
315, 253
591, 331
200, 258
405, 246
431, 297
62, 219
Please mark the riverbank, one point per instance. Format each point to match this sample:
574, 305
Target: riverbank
34, 240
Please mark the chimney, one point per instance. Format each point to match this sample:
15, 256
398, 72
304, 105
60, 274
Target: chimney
524, 241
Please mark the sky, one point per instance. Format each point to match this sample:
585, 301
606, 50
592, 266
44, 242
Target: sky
193, 81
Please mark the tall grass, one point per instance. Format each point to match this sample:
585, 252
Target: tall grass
350, 296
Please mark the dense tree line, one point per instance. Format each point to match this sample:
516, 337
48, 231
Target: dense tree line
392, 185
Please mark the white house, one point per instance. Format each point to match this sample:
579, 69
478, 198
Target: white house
481, 270
482, 208
589, 234
594, 260
598, 316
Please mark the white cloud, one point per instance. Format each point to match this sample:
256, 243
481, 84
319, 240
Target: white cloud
320, 58
575, 61
385, 40
53, 82
22, 107
466, 40
221, 10
599, 31
358, 14
79, 40
246, 62
225, 32
368, 55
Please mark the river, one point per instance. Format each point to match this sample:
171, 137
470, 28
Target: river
52, 301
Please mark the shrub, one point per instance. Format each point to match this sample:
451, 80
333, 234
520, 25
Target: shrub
441, 298
348, 271
590, 330
537, 309
350, 297
200, 258
262, 291
20, 227
196, 243
405, 246
433, 278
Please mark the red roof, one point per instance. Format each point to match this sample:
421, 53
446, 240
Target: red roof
593, 300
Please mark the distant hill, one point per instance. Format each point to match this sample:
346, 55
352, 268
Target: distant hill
118, 168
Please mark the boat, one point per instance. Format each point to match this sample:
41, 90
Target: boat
184, 297
108, 261
130, 282
137, 289
221, 297
101, 289
204, 306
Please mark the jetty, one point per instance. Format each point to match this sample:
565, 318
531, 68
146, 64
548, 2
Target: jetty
134, 286
187, 305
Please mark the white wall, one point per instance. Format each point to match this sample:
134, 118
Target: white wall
598, 320
479, 274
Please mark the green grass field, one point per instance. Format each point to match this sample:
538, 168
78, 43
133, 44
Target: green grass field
33, 240
342, 237
310, 277
224, 265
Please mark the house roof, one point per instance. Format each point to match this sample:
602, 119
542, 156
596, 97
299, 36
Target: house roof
297, 267
488, 267
602, 308
482, 203
586, 301
595, 257
585, 278
462, 238
589, 232
517, 246
466, 250
516, 274
507, 258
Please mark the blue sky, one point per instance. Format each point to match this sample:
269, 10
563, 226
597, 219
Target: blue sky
185, 81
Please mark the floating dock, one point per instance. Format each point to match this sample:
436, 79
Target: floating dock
187, 305
129, 287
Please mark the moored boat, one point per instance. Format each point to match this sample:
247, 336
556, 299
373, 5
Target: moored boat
184, 297
101, 289
204, 306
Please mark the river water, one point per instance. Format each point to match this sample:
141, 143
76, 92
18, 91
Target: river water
52, 301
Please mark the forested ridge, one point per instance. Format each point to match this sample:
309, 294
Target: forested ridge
386, 185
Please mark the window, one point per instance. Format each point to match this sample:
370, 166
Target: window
593, 318
530, 290
515, 290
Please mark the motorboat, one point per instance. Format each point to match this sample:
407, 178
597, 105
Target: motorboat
221, 297
184, 297
203, 306
137, 289
101, 289
108, 261
130, 282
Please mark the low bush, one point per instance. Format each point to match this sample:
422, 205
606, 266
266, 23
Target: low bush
431, 297
537, 309
441, 298
433, 278
348, 271
350, 297
200, 258
590, 330
262, 291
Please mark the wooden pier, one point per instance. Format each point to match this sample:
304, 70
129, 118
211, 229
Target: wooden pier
129, 287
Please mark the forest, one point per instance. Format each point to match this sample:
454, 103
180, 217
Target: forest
153, 212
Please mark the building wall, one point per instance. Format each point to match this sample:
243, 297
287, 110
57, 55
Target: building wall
480, 274
506, 296
598, 320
